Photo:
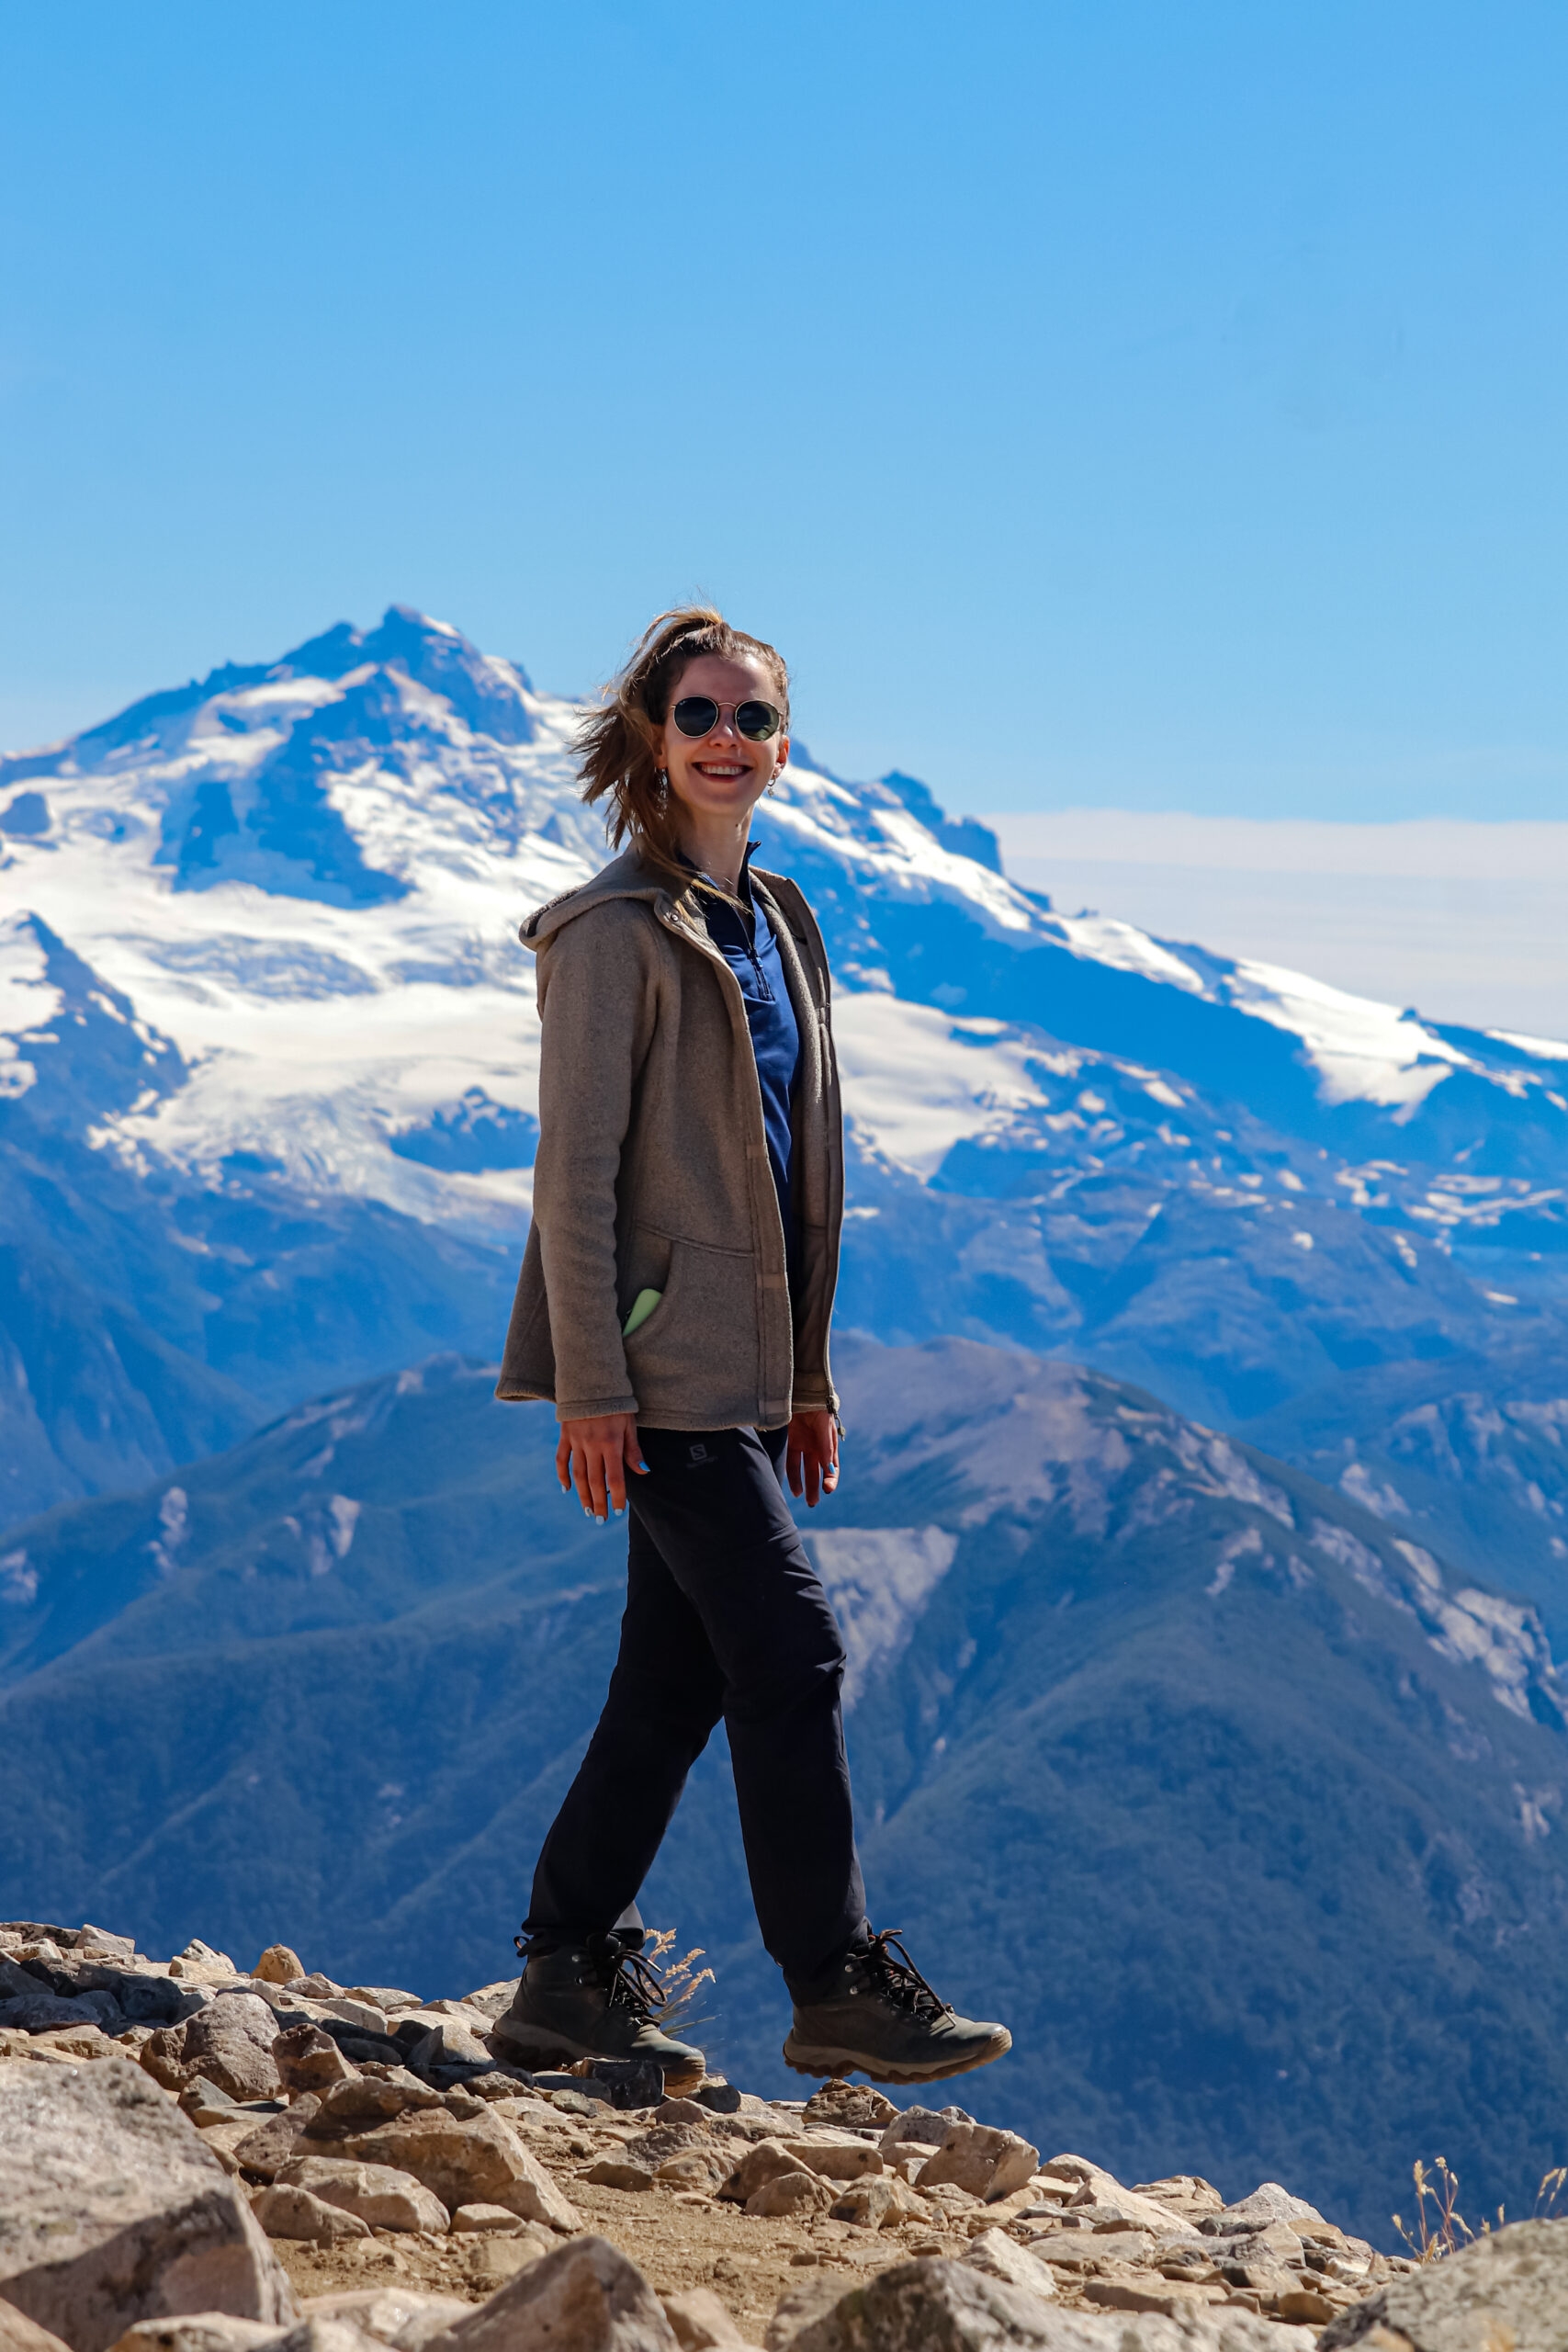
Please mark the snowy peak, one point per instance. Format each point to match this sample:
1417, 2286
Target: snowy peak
71, 1048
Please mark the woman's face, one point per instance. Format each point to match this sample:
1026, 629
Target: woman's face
722, 774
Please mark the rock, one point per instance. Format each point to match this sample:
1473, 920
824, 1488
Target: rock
628, 2082
111, 2210
314, 1987
851, 2106
396, 2315
935, 2306
481, 2162
227, 2043
365, 2099
278, 1965
879, 2202
1509, 2289
385, 1997
790, 2195
20, 2334
1268, 2203
492, 2220
76, 2041
308, 2060
1000, 2257
918, 2127
38, 2011
204, 2102
1081, 2249
700, 2320
719, 2097
275, 2142
382, 2197
985, 2162
618, 2172
202, 1960
1187, 2194
799, 2306
585, 2296
838, 2159
702, 2169
762, 2163
197, 2332
296, 2213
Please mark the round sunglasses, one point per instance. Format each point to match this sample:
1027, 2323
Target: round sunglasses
699, 715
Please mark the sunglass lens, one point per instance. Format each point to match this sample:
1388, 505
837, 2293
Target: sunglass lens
695, 715
757, 720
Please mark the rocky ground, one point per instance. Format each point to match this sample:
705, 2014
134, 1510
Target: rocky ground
195, 2159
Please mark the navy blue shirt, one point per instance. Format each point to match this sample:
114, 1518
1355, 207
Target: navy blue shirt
744, 937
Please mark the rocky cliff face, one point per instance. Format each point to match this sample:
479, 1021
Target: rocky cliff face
202, 2160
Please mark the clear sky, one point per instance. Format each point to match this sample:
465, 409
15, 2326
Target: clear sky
1111, 404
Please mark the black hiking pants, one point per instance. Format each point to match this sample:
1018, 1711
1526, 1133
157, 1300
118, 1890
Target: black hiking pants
725, 1616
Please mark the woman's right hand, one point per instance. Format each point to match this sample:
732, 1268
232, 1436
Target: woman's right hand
594, 1456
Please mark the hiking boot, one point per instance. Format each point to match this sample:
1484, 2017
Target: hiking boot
877, 2012
594, 1998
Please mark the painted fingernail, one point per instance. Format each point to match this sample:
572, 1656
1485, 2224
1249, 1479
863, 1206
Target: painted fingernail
621, 1514
598, 1519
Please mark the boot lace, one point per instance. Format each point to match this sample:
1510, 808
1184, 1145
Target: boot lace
633, 1983
898, 1980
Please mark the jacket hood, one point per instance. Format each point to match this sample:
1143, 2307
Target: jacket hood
630, 875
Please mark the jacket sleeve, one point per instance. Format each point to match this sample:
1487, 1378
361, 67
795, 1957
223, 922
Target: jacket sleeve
596, 1004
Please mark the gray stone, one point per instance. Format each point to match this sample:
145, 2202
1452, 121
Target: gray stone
918, 2127
197, 2332
791, 2196
112, 2210
379, 2194
308, 2060
701, 2321
1002, 2257
400, 2316
586, 2297
275, 2142
370, 2098
294, 2213
988, 2163
20, 2334
1268, 2203
932, 2306
36, 2011
762, 2162
486, 2220
850, 2105
227, 2043
1507, 2292
479, 2161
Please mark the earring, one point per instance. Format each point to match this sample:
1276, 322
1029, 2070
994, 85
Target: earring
661, 786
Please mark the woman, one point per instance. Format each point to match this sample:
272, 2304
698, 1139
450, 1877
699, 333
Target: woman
674, 1304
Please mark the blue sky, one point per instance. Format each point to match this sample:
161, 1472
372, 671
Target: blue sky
1109, 404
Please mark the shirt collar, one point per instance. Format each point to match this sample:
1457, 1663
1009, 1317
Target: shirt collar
745, 892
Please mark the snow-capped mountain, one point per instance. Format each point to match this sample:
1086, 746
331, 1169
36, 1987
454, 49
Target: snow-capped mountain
260, 986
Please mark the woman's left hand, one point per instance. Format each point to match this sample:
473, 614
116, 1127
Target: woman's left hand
811, 1457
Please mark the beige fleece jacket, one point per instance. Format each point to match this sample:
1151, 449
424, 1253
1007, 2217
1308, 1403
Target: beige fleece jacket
652, 1170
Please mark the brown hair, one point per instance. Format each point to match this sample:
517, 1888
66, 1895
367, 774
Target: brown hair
617, 742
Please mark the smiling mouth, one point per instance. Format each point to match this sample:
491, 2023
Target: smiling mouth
721, 770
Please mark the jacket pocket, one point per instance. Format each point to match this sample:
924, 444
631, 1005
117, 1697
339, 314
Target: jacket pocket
704, 1327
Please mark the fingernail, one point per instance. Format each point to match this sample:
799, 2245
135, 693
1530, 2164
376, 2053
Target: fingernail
586, 1512
598, 1519
620, 1514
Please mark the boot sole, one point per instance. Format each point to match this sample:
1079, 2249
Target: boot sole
805, 2061
538, 2051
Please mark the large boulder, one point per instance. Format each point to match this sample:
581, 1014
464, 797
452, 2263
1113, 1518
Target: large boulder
585, 2296
112, 2210
1506, 2290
